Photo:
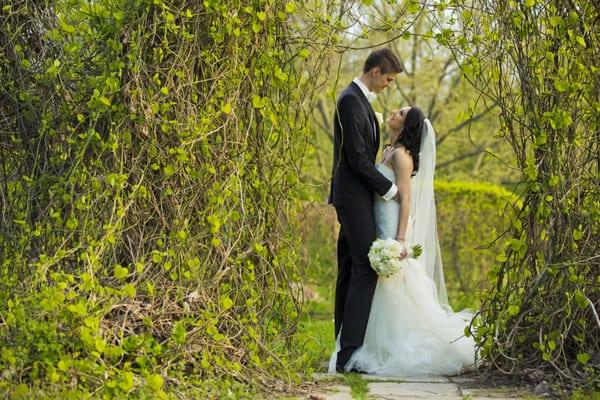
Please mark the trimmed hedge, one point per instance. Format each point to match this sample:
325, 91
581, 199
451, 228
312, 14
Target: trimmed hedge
470, 216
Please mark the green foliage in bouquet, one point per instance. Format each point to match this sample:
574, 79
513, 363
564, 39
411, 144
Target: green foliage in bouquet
148, 155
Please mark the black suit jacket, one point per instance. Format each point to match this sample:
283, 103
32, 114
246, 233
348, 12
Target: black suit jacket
355, 145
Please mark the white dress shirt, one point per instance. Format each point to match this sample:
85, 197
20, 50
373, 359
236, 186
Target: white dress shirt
371, 96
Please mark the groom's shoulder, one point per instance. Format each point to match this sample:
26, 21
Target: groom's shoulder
350, 90
348, 93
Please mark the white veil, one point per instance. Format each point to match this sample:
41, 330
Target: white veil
424, 213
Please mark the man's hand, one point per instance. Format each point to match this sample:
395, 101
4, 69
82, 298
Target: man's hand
396, 198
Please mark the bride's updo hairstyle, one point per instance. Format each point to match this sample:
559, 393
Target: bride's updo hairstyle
410, 137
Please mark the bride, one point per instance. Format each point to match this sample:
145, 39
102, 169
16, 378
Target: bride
412, 331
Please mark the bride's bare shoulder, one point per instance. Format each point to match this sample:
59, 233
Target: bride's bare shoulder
401, 158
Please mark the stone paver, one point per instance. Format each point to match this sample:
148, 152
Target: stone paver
382, 378
337, 393
461, 379
414, 390
490, 393
403, 388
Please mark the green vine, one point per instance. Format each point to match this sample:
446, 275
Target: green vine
536, 61
149, 178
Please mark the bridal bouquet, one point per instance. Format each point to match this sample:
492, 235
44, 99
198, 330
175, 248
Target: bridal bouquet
384, 256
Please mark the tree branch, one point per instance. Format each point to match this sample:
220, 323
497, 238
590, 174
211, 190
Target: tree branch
458, 127
466, 155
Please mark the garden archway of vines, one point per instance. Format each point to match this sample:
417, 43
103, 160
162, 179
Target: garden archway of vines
149, 183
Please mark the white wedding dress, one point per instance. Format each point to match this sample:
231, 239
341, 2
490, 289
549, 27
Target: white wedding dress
410, 332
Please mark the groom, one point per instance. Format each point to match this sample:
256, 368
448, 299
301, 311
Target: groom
355, 180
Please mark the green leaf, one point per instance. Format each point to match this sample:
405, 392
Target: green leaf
417, 250
555, 21
154, 381
226, 302
580, 299
290, 7
304, 53
226, 108
63, 365
100, 344
78, 308
169, 170
179, 333
120, 272
127, 382
139, 267
513, 309
560, 86
583, 358
119, 15
129, 290
54, 377
515, 244
72, 223
257, 102
66, 27
413, 7
157, 257
581, 41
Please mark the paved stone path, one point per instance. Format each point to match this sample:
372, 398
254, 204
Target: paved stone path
394, 388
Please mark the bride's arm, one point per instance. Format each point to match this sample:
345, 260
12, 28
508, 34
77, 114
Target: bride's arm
403, 166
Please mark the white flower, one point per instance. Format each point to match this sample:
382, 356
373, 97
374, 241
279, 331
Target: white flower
379, 117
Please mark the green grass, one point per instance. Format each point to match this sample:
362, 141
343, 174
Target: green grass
314, 343
582, 394
358, 386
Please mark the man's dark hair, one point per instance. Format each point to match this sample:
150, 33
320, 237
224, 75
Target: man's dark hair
385, 59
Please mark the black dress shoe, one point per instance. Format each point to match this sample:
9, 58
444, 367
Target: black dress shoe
357, 371
341, 370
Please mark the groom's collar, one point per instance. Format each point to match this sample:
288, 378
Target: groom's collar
368, 94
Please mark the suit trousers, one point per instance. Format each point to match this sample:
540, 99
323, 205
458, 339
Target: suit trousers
356, 280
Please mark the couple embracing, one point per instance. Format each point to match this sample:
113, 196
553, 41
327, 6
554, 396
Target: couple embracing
401, 324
